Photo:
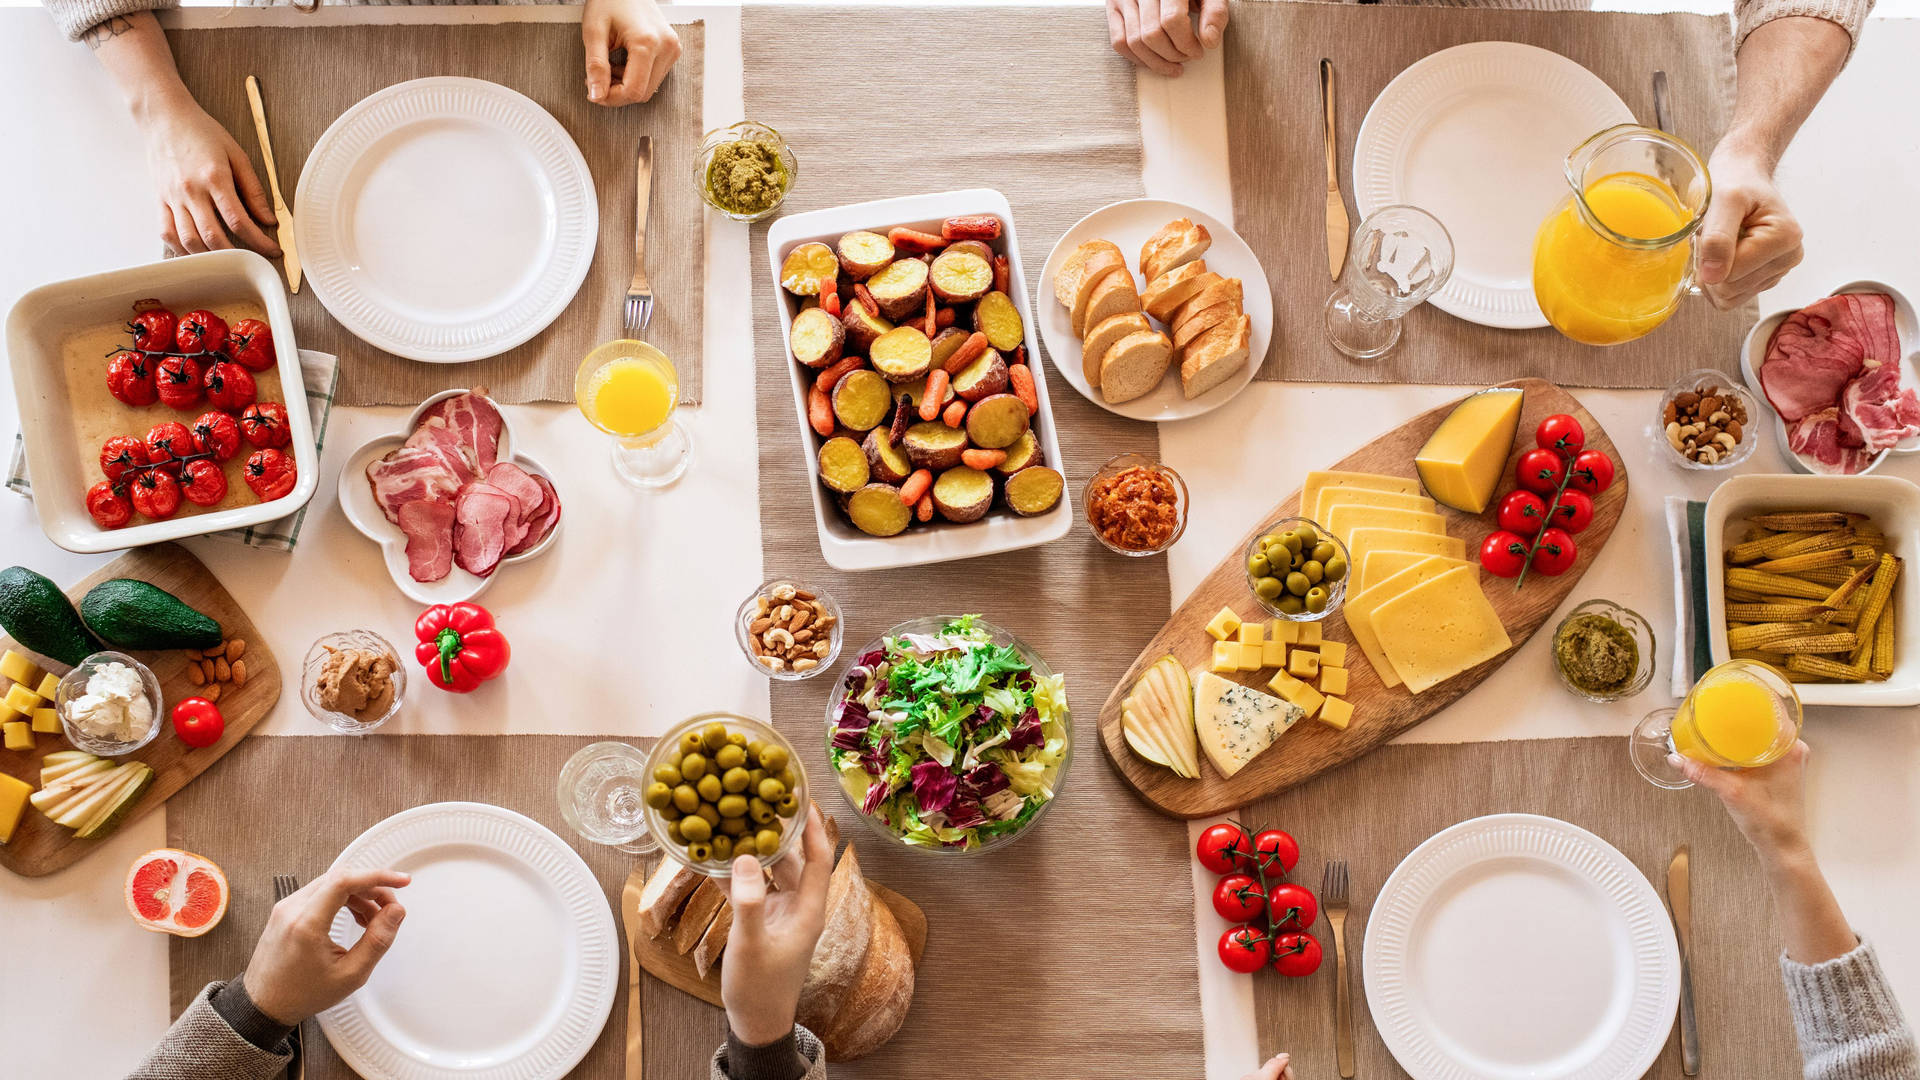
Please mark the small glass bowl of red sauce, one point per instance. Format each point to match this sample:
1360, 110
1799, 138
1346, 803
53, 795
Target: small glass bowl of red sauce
1135, 505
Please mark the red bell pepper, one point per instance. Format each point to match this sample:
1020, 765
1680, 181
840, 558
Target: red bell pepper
459, 646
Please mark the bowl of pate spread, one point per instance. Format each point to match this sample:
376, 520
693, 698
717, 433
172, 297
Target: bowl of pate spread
353, 681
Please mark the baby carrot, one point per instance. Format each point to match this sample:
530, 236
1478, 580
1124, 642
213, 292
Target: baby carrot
935, 394
967, 353
820, 412
1022, 381
983, 460
831, 376
955, 415
865, 296
830, 303
917, 486
915, 242
1000, 274
933, 316
924, 508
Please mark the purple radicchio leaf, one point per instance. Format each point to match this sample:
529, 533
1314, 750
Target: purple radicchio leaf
965, 814
851, 734
982, 781
1026, 732
933, 786
875, 759
981, 717
876, 794
871, 658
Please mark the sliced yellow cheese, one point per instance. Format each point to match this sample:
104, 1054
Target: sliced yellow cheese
18, 735
22, 700
1360, 606
1379, 565
1224, 625
8, 715
1337, 712
1439, 628
1392, 500
1367, 540
17, 667
1285, 631
1273, 653
1333, 680
49, 685
46, 722
1466, 456
1226, 657
13, 803
1319, 481
1343, 519
1333, 654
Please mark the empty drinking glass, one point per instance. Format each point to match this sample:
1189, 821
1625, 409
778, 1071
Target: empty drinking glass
603, 791
1401, 255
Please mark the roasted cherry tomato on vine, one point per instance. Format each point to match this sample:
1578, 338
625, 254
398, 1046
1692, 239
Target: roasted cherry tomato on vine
109, 508
198, 722
1592, 472
216, 433
1573, 511
1503, 554
1555, 553
202, 482
1275, 852
1224, 849
1561, 434
121, 455
1295, 955
1244, 949
166, 443
230, 386
178, 382
1540, 470
201, 331
130, 379
152, 330
269, 474
1293, 906
250, 344
156, 494
458, 645
1239, 898
1522, 512
265, 425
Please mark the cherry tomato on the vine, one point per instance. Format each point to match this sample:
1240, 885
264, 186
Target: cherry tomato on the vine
202, 482
1522, 512
121, 455
269, 473
1555, 553
1592, 472
1503, 554
216, 433
229, 386
1244, 949
178, 382
1540, 470
1293, 906
1275, 852
108, 506
130, 379
1574, 511
152, 330
1239, 898
1561, 434
1224, 848
166, 444
250, 343
264, 424
1295, 955
201, 331
156, 494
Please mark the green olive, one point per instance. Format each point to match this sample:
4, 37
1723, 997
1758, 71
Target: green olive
732, 806
685, 798
730, 757
1267, 588
1258, 566
1292, 541
772, 790
1336, 567
1324, 550
709, 787
767, 841
1291, 605
674, 834
734, 826
737, 738
706, 812
789, 806
667, 774
690, 742
659, 795
673, 756
671, 812
1313, 570
714, 736
1316, 600
1297, 583
736, 779
693, 766
694, 828
787, 778
755, 749
699, 851
1269, 540
774, 758
760, 810
722, 847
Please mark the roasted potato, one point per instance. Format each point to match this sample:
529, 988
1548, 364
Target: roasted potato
806, 267
864, 254
902, 354
1023, 454
997, 317
1032, 491
962, 494
887, 461
978, 247
877, 510
816, 338
947, 344
931, 444
843, 465
900, 289
996, 422
862, 399
960, 277
983, 378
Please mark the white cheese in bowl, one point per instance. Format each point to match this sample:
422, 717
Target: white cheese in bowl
115, 705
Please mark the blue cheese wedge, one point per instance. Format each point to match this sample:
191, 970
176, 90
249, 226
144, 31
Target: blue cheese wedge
1236, 722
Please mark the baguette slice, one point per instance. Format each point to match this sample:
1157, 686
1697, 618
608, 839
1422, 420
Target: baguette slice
1101, 338
714, 941
1199, 322
1115, 295
1066, 283
1176, 287
697, 916
1134, 366
1102, 266
1215, 356
877, 1003
1217, 292
1178, 242
661, 897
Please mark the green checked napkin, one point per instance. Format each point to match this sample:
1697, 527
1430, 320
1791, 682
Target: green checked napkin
1692, 650
319, 371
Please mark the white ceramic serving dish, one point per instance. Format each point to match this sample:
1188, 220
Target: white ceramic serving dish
1753, 356
43, 317
356, 501
845, 547
1129, 224
1894, 505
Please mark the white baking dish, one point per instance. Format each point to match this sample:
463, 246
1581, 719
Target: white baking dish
844, 546
42, 318
1894, 505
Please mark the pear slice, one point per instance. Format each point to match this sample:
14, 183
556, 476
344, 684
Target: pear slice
67, 772
116, 809
1140, 731
77, 812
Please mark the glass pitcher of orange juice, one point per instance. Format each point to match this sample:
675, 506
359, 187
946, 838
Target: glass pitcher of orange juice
1615, 258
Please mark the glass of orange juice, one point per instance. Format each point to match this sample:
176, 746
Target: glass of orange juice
628, 389
1741, 715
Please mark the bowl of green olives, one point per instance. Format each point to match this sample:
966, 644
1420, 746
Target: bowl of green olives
720, 785
1297, 570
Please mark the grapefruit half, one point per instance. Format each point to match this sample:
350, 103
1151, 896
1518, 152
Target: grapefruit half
176, 892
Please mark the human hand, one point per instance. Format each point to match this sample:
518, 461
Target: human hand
1768, 804
297, 970
773, 936
650, 45
1160, 34
1276, 1068
1749, 239
207, 186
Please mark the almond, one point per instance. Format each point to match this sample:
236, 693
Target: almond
206, 669
195, 655
211, 692
222, 670
236, 649
239, 673
195, 676
217, 650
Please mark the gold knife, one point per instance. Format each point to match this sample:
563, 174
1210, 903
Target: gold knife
1339, 231
1680, 901
630, 918
289, 254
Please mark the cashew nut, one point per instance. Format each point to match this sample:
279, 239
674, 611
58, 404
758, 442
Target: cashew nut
1710, 455
778, 638
1720, 417
1725, 440
782, 593
1673, 435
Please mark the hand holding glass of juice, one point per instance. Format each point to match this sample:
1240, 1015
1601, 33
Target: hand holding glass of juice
1741, 715
628, 389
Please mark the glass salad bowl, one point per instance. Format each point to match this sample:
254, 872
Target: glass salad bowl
1002, 794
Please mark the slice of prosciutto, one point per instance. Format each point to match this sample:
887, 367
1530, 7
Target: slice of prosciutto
1820, 436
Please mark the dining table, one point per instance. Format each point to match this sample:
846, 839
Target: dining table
614, 635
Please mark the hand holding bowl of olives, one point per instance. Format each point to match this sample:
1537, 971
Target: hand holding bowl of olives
1297, 570
720, 786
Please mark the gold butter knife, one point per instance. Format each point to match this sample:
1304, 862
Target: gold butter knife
630, 918
289, 253
1338, 228
1680, 901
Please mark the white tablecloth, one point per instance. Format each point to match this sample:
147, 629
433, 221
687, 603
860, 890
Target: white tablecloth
623, 627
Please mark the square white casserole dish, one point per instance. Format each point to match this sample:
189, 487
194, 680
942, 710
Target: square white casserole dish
42, 318
1894, 505
845, 547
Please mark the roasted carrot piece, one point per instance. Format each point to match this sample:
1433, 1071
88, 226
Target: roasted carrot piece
976, 458
969, 351
970, 227
1001, 275
830, 303
955, 415
914, 242
831, 377
1022, 382
865, 296
918, 486
923, 509
933, 315
935, 395
820, 412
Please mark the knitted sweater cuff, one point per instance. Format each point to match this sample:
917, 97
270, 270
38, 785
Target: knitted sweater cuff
1845, 1014
76, 17
1849, 15
236, 1007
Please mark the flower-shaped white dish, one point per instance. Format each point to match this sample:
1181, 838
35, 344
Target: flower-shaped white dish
357, 502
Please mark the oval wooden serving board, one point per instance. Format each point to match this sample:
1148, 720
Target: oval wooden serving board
1380, 713
41, 847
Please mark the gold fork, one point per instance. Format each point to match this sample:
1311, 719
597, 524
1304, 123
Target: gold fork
285, 885
639, 306
1333, 901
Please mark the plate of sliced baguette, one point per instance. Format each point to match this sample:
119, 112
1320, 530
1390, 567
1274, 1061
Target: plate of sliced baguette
1158, 312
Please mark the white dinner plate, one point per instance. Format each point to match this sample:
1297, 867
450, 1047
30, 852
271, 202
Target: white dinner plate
1517, 946
1478, 136
1129, 224
506, 966
446, 219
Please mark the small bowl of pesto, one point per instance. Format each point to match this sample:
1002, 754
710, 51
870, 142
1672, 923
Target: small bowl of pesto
745, 170
1603, 652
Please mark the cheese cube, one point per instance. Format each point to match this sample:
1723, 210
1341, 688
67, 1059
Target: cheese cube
18, 735
22, 700
13, 804
8, 715
1337, 712
1226, 657
1333, 654
17, 667
1285, 631
1250, 657
1273, 654
1303, 664
49, 685
1250, 633
1333, 680
46, 721
1296, 692
1309, 634
1224, 625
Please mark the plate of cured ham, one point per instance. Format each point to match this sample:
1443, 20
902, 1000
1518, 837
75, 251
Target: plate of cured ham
450, 498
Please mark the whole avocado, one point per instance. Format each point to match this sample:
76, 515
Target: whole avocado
35, 613
133, 614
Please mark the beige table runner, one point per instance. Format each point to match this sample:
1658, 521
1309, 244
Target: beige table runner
310, 75
1376, 810
1279, 176
1071, 953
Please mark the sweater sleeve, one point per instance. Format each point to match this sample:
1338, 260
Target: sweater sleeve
1849, 15
1848, 1023
799, 1056
76, 17
204, 1045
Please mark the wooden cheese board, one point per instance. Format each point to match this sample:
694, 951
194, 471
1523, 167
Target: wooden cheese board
41, 847
1380, 712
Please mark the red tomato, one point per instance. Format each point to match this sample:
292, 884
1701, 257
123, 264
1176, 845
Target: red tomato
250, 344
152, 330
1244, 949
1574, 511
198, 722
1293, 907
178, 382
1540, 470
1555, 553
156, 494
1561, 434
201, 331
1224, 848
130, 379
166, 443
265, 425
109, 508
1239, 898
230, 386
270, 474
1295, 955
1522, 512
121, 455
1503, 554
203, 483
218, 434
1276, 853
1592, 472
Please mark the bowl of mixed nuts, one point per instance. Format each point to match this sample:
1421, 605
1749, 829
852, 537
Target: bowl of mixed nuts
789, 631
1706, 421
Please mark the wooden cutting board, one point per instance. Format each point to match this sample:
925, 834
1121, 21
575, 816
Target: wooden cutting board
1380, 712
41, 847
